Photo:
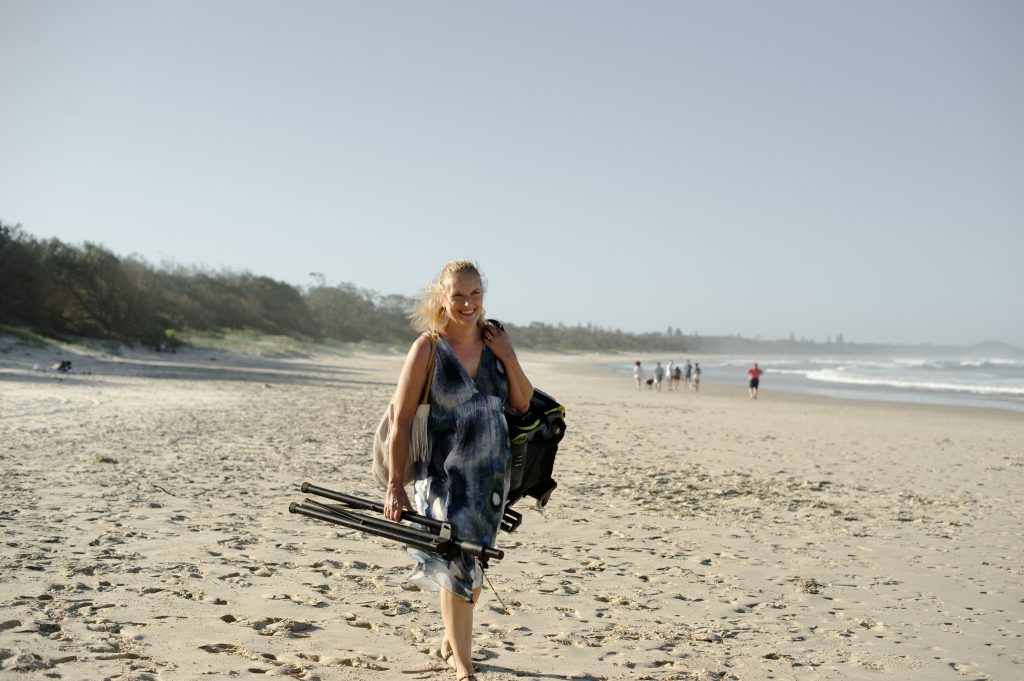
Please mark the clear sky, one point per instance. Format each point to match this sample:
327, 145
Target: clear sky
760, 168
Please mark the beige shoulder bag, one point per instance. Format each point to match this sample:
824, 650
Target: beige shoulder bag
419, 446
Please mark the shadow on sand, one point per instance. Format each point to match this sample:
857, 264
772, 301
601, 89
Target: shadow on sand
522, 673
222, 367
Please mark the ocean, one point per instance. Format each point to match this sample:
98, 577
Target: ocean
991, 382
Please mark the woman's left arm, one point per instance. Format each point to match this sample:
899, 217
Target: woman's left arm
520, 390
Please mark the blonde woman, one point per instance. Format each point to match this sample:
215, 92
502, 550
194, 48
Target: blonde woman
463, 481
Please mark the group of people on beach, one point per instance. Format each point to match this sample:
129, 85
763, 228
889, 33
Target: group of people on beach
687, 375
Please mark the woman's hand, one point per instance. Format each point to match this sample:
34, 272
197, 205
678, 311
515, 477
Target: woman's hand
497, 340
396, 500
519, 388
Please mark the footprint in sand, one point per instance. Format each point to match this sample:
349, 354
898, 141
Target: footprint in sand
356, 661
808, 586
279, 668
297, 599
274, 626
391, 608
22, 661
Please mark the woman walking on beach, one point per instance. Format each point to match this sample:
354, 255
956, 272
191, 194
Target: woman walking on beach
463, 480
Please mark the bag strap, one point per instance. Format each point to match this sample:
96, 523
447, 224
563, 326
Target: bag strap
425, 397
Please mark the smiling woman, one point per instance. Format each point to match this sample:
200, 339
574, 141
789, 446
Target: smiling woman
465, 297
432, 314
464, 479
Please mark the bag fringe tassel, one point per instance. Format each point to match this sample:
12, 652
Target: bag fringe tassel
418, 449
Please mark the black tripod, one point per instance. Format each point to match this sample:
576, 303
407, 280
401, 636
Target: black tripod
433, 537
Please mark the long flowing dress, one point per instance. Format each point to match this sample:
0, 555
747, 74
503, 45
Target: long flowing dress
465, 479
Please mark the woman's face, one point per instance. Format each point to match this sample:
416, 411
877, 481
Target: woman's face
465, 299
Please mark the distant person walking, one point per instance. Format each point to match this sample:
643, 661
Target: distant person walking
677, 375
688, 373
638, 375
754, 376
696, 377
659, 375
669, 368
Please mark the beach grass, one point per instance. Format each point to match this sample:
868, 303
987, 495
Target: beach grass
276, 346
24, 335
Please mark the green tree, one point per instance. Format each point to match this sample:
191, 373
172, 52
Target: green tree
96, 294
21, 280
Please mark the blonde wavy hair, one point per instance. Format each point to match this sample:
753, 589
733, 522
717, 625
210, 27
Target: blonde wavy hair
430, 314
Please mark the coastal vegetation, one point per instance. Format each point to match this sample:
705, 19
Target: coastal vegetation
52, 289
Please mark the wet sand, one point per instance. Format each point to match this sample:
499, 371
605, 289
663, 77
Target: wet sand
693, 536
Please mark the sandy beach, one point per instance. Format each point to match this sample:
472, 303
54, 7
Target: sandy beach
146, 532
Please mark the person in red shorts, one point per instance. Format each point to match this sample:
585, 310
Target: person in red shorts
754, 375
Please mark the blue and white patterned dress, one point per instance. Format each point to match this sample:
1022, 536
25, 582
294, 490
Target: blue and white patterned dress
465, 479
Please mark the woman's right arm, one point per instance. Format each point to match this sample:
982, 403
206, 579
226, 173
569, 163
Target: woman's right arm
407, 398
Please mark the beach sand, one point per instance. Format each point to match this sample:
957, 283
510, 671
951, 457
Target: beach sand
693, 536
